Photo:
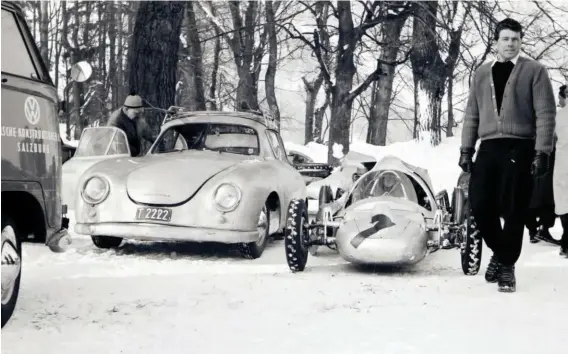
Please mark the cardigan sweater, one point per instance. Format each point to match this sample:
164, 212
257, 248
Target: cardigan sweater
527, 112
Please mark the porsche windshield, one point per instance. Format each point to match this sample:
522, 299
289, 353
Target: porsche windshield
232, 138
102, 141
384, 183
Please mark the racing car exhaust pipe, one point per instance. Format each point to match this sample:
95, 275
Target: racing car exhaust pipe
458, 207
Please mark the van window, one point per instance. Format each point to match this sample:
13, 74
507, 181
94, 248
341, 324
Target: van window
15, 57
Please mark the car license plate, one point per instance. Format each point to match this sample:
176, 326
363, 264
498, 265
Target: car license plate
155, 214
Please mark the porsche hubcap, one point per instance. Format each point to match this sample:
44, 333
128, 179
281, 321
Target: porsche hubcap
10, 263
262, 226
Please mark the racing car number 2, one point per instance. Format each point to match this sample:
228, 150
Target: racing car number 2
157, 214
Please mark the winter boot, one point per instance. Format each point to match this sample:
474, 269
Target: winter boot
532, 235
507, 281
544, 234
493, 270
564, 240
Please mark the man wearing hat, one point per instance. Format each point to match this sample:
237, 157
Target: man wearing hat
128, 118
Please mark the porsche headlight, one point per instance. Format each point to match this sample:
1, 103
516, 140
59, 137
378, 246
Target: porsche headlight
227, 197
95, 190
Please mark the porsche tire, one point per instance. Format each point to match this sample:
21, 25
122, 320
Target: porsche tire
254, 250
295, 235
471, 245
11, 268
106, 242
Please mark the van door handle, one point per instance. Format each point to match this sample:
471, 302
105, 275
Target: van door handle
4, 80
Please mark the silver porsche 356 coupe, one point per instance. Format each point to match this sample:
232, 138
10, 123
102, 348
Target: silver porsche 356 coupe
209, 177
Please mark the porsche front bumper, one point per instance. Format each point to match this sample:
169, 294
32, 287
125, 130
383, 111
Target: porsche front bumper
162, 232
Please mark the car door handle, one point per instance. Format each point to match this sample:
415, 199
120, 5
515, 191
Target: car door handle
4, 80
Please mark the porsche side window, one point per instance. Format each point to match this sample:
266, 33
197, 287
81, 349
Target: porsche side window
277, 148
16, 59
171, 141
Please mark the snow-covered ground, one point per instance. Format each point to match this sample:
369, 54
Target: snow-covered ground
188, 298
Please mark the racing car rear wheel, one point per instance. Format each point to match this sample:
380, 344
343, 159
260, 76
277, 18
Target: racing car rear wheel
471, 244
106, 241
296, 234
254, 250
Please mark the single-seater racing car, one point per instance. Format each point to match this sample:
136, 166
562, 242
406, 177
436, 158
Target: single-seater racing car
390, 216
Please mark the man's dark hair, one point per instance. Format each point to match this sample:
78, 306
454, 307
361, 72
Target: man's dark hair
562, 91
509, 24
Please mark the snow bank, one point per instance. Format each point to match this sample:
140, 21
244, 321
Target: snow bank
441, 161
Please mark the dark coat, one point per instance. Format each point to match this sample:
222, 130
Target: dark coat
135, 130
542, 196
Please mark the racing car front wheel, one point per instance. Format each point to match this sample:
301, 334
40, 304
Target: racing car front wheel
471, 245
296, 234
106, 241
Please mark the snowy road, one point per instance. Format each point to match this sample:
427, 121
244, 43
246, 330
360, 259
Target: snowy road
164, 298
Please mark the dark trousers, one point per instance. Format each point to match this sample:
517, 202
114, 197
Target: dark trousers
501, 186
564, 240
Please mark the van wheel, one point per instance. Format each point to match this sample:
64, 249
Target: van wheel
11, 267
106, 242
254, 250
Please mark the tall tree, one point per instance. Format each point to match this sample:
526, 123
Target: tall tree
270, 82
192, 68
381, 97
153, 55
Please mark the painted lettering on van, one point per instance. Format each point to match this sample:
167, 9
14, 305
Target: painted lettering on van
30, 140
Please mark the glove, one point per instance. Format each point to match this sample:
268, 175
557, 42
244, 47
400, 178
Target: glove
540, 164
466, 159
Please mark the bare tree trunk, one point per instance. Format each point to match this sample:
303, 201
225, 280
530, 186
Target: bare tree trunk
76, 86
340, 104
452, 60
153, 56
57, 45
428, 69
312, 90
212, 99
112, 85
118, 94
380, 105
270, 78
132, 8
318, 120
243, 50
44, 34
195, 94
450, 125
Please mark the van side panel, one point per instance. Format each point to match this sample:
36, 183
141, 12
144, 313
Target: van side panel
31, 145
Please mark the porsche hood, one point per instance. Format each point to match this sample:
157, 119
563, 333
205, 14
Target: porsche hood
174, 178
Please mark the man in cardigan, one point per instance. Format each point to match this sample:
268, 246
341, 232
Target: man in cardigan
511, 109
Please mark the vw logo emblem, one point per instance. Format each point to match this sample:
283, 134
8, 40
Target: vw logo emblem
31, 110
